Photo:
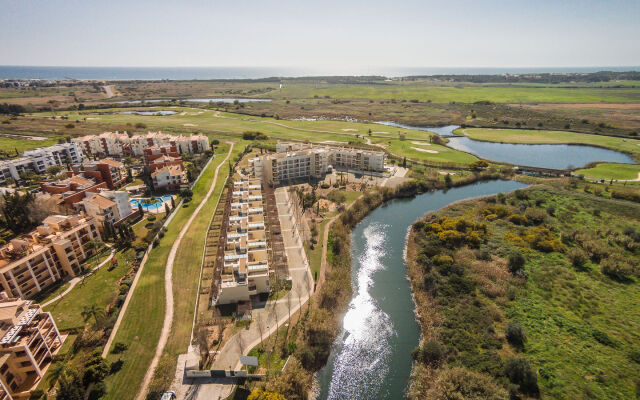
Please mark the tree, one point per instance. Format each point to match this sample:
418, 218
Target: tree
94, 312
173, 203
70, 389
54, 170
141, 210
166, 209
15, 211
516, 263
515, 334
57, 371
519, 372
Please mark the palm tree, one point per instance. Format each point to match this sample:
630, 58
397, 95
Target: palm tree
92, 311
58, 371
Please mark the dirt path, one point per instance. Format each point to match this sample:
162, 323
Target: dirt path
73, 282
168, 286
109, 91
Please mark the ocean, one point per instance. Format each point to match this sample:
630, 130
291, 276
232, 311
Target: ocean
188, 73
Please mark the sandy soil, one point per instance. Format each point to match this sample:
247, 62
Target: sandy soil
425, 150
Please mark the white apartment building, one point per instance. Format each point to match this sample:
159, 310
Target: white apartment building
120, 144
171, 177
107, 205
245, 269
295, 161
39, 159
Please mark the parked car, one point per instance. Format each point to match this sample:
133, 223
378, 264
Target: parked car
170, 395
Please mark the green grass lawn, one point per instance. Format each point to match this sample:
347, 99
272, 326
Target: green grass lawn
99, 289
611, 171
143, 320
530, 136
443, 155
462, 92
10, 144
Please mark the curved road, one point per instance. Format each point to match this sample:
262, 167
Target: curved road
168, 286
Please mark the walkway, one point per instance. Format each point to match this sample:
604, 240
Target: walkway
73, 282
272, 316
168, 286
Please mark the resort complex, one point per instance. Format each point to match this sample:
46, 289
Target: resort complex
29, 338
120, 144
293, 162
39, 159
244, 269
52, 252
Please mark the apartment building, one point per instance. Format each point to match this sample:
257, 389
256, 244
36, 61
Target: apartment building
119, 144
171, 177
29, 338
245, 269
107, 170
109, 143
108, 205
52, 252
295, 161
38, 160
73, 189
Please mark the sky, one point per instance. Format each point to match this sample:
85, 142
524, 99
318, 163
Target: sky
323, 34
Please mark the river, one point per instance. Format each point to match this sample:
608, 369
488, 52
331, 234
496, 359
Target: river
371, 357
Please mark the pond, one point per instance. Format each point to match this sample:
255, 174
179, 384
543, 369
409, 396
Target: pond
555, 156
159, 113
371, 357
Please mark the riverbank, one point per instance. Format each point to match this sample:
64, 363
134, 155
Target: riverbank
495, 286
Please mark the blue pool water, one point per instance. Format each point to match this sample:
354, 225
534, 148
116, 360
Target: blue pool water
159, 203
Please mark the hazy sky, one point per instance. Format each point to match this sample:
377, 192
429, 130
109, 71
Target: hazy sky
328, 33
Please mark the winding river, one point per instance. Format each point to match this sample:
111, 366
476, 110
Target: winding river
371, 357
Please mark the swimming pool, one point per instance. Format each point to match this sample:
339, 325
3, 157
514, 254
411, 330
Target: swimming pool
147, 207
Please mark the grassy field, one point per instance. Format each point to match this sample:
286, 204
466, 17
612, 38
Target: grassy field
233, 125
463, 93
10, 145
530, 136
99, 289
611, 171
580, 324
142, 323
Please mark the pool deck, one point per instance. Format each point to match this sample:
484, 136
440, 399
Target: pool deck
156, 210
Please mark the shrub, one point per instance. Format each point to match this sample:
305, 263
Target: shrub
617, 266
140, 125
535, 215
36, 394
429, 353
325, 186
461, 383
602, 337
151, 218
577, 257
519, 372
119, 347
634, 356
551, 210
516, 262
515, 334
443, 260
518, 219
521, 194
483, 255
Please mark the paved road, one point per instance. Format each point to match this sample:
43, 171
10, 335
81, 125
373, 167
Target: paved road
73, 282
245, 340
168, 286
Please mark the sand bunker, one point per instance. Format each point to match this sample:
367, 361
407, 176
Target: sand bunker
381, 132
421, 143
446, 173
189, 125
183, 113
90, 118
350, 130
425, 150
